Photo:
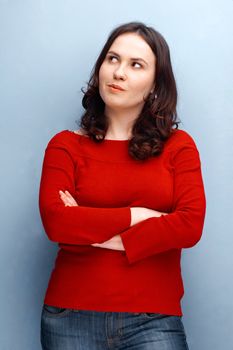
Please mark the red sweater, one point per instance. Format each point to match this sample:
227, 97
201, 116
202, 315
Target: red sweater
105, 181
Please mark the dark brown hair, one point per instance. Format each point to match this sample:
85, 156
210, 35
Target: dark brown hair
155, 122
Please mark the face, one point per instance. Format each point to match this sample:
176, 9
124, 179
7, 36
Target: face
127, 74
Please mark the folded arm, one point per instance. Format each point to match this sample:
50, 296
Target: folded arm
73, 224
182, 228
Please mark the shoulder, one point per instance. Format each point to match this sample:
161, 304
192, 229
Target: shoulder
70, 141
179, 139
62, 138
182, 150
79, 132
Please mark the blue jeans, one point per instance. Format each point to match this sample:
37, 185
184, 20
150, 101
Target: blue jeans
67, 329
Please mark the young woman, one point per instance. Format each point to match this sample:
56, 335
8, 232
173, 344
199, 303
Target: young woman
122, 196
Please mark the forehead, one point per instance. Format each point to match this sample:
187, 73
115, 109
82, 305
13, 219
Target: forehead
132, 45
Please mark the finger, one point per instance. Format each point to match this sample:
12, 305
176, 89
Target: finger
99, 245
67, 198
63, 195
72, 200
68, 194
67, 201
64, 198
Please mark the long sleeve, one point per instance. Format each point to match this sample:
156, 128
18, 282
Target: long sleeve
73, 225
182, 227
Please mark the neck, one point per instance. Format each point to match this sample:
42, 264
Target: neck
120, 123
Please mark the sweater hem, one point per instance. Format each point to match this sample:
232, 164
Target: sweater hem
172, 309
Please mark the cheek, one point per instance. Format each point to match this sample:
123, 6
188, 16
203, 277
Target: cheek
104, 72
142, 87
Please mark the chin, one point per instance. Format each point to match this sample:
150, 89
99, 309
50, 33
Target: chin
119, 105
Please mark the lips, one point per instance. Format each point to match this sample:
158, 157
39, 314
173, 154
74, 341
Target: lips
117, 87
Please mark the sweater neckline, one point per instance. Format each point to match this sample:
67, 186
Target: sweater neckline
107, 150
105, 140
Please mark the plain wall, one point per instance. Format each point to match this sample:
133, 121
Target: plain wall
47, 50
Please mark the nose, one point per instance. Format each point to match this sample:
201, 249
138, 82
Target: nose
119, 73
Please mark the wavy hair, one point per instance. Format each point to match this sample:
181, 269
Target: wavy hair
155, 123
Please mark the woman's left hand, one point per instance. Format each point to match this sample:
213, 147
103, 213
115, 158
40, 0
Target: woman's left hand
67, 199
114, 243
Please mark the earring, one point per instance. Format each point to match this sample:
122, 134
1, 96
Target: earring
153, 96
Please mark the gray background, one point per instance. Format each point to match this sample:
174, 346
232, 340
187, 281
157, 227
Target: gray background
47, 50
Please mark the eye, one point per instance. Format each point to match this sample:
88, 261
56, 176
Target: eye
112, 58
137, 65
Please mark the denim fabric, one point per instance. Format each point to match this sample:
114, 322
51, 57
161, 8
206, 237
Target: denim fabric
67, 329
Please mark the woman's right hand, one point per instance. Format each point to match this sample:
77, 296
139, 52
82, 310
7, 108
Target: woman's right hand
139, 214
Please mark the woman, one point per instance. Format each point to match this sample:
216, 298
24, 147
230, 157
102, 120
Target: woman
122, 196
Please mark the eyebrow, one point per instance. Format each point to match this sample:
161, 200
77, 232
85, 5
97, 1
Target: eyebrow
132, 59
